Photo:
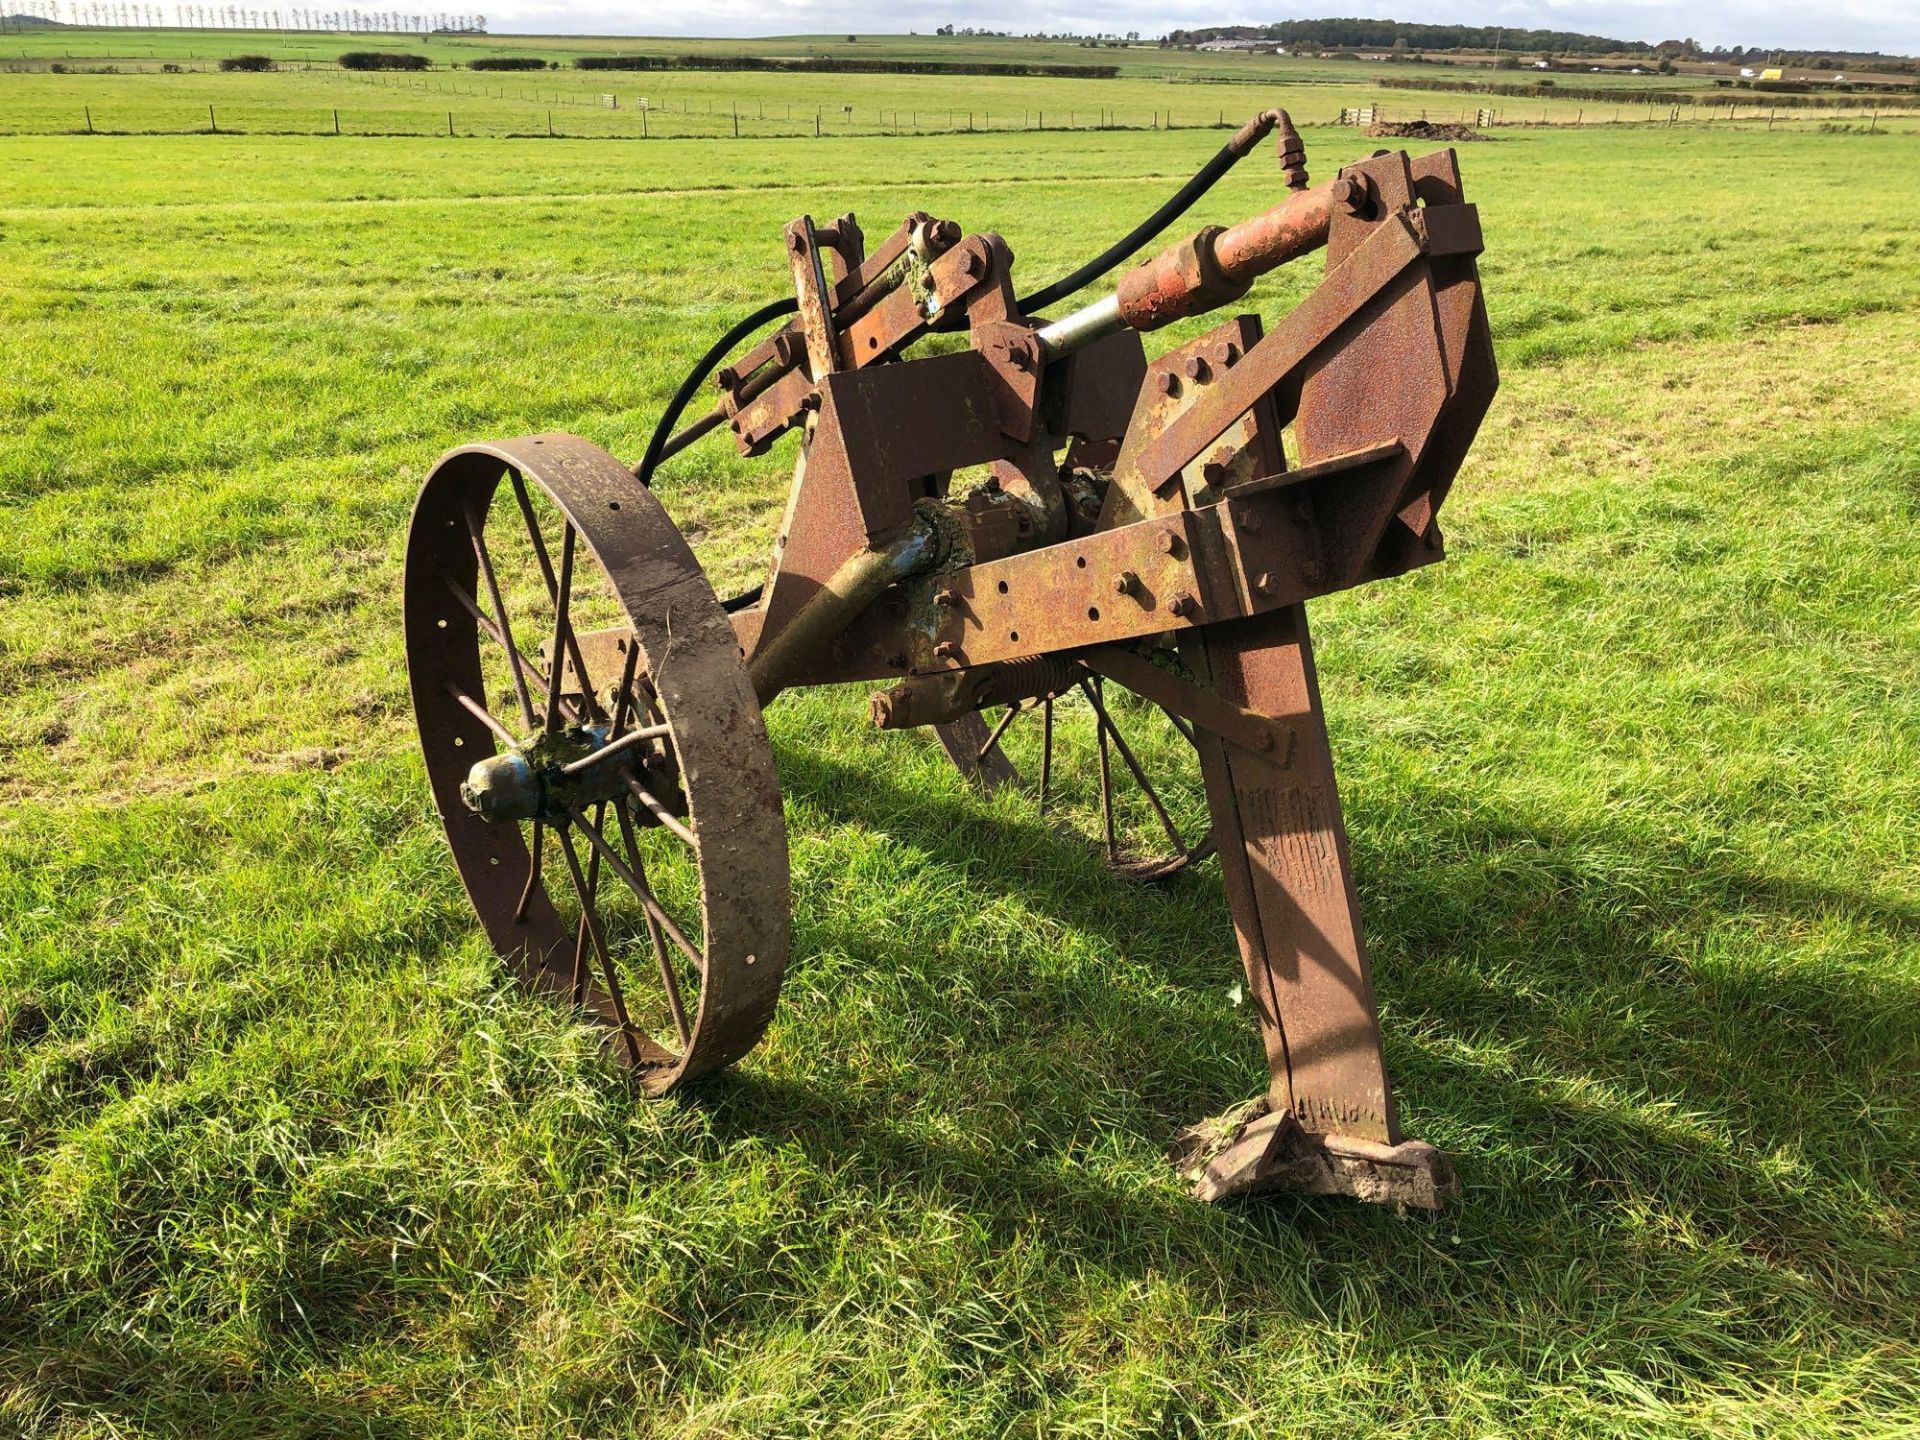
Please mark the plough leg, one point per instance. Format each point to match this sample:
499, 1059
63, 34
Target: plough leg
1327, 1123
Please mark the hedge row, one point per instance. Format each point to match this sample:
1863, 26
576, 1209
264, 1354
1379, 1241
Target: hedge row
506, 62
383, 60
844, 66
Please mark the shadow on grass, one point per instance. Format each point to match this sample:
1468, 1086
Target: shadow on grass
1644, 1140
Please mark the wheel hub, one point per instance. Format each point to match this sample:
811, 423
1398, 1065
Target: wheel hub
537, 781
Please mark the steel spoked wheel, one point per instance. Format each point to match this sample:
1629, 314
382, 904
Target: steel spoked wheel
596, 751
1102, 763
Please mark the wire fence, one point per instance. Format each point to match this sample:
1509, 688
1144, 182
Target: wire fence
504, 114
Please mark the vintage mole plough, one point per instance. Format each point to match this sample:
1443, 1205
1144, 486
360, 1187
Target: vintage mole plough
1032, 521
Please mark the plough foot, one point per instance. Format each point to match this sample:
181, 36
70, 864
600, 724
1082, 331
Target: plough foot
1256, 1148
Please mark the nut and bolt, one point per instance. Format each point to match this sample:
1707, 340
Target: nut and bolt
1182, 604
945, 599
1196, 368
1167, 382
1125, 583
1228, 352
945, 650
1167, 542
797, 243
1352, 193
969, 263
1214, 473
1263, 583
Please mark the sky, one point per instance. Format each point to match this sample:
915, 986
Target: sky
1888, 25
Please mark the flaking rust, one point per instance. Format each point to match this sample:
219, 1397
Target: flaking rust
1038, 515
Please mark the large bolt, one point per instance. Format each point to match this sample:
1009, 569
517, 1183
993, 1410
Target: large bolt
1168, 382
1263, 583
1197, 368
797, 243
1182, 604
945, 598
1168, 542
945, 650
1213, 472
1228, 353
1125, 583
1352, 194
969, 263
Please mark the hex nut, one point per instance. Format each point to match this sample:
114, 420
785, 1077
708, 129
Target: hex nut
1167, 382
1125, 583
1196, 368
1182, 604
1167, 542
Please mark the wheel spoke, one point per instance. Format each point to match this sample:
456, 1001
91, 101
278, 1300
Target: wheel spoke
1106, 778
1146, 786
580, 973
533, 874
644, 891
668, 980
553, 589
562, 602
482, 714
660, 812
614, 747
590, 918
500, 614
485, 622
1046, 752
999, 730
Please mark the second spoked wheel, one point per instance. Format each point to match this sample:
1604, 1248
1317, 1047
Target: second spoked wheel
596, 751
1099, 763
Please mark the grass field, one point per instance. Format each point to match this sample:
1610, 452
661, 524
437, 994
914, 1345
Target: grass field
1154, 88
1631, 783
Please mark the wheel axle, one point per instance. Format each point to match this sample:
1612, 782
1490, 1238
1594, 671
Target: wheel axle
555, 775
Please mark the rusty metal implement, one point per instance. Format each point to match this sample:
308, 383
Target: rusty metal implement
1085, 571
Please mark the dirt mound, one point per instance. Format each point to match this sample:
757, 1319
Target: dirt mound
1422, 130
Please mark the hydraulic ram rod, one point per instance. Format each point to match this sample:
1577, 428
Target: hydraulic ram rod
1210, 268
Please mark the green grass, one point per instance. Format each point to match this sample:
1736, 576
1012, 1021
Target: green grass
1630, 781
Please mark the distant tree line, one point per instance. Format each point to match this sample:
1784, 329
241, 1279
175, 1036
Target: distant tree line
1356, 34
841, 65
507, 62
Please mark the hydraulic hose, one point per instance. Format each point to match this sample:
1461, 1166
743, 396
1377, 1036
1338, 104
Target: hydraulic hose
1177, 205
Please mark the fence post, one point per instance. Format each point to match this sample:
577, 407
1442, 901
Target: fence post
211, 123
643, 122
449, 124
336, 122
89, 110
816, 123
550, 124
736, 119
